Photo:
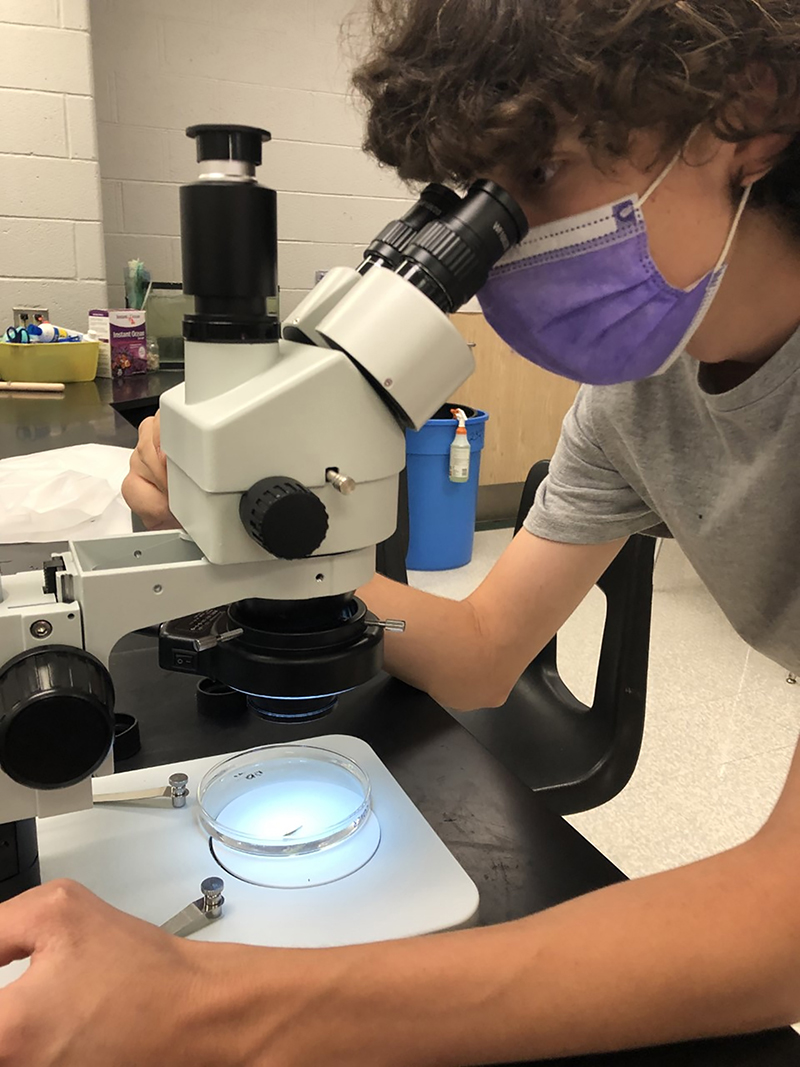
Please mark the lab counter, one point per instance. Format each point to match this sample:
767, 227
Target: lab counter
522, 857
104, 411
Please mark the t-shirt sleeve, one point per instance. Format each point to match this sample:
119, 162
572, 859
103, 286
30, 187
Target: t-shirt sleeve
585, 500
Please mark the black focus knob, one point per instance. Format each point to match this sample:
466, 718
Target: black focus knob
56, 716
284, 517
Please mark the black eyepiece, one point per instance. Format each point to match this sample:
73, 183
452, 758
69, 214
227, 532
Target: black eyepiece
388, 247
451, 257
219, 141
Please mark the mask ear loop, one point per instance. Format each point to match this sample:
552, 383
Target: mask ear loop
662, 176
665, 172
737, 218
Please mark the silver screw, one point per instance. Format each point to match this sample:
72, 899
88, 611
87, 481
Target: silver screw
179, 785
341, 482
211, 888
792, 679
157, 588
41, 628
389, 383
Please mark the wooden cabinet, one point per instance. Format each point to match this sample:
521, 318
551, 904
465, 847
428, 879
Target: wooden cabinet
526, 404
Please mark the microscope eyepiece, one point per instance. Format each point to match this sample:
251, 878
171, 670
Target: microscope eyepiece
451, 257
388, 247
239, 143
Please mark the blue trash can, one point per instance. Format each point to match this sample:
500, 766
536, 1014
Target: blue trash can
442, 513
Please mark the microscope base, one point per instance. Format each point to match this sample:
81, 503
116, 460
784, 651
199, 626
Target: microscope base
148, 859
19, 858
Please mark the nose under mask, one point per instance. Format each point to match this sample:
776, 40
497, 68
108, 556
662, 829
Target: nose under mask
583, 297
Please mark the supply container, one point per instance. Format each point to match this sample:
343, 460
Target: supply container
57, 361
441, 512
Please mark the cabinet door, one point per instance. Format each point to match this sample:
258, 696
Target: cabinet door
526, 404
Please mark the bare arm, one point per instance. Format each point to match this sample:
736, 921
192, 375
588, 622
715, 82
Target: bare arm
705, 950
468, 654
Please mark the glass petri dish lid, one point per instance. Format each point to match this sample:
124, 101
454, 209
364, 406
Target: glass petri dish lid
284, 800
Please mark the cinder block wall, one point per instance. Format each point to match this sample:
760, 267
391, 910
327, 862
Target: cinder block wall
162, 65
51, 244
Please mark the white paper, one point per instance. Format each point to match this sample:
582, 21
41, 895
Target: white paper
64, 493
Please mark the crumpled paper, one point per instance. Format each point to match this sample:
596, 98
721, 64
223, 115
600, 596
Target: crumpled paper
64, 494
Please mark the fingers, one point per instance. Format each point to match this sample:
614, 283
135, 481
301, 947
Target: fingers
18, 932
149, 503
145, 487
29, 921
152, 463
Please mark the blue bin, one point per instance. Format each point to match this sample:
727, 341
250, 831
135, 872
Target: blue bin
442, 513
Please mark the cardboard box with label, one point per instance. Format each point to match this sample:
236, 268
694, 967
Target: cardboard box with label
122, 334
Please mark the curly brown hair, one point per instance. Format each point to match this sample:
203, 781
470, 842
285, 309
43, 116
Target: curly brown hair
455, 88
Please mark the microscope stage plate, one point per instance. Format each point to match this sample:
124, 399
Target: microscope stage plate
148, 858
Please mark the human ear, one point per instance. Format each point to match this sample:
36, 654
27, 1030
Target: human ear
756, 157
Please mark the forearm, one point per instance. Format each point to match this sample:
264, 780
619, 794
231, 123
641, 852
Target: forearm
442, 651
697, 952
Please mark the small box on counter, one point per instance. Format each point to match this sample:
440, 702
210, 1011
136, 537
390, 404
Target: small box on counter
123, 341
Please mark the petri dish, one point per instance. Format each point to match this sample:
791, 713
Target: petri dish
289, 815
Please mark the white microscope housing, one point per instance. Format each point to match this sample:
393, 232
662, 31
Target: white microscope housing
284, 451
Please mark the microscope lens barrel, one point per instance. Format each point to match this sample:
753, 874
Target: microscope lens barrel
229, 236
451, 257
388, 247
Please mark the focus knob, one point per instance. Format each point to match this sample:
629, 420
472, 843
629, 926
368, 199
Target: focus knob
284, 517
56, 717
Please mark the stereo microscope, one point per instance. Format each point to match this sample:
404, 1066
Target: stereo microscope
284, 450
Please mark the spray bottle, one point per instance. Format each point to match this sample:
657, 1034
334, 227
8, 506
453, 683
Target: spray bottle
460, 449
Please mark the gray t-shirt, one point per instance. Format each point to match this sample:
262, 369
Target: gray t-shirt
719, 471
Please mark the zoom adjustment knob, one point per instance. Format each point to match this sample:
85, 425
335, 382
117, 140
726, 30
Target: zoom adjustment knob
56, 716
284, 517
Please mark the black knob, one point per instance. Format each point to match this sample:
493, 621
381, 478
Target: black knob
56, 716
284, 517
220, 141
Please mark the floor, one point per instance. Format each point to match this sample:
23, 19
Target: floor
722, 721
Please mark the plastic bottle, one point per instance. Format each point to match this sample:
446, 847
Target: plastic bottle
46, 333
460, 449
153, 356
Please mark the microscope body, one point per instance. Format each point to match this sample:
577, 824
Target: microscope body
283, 455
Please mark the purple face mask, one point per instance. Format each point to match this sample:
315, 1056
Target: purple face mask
582, 297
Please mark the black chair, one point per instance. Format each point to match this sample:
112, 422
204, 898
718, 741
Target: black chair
578, 757
390, 556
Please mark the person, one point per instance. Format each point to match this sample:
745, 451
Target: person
654, 146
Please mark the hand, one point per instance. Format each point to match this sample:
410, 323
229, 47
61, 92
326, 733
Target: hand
145, 486
103, 989
106, 990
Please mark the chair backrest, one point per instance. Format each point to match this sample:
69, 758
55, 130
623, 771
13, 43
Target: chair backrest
595, 748
390, 556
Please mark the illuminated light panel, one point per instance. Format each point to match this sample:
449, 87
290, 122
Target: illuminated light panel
291, 809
